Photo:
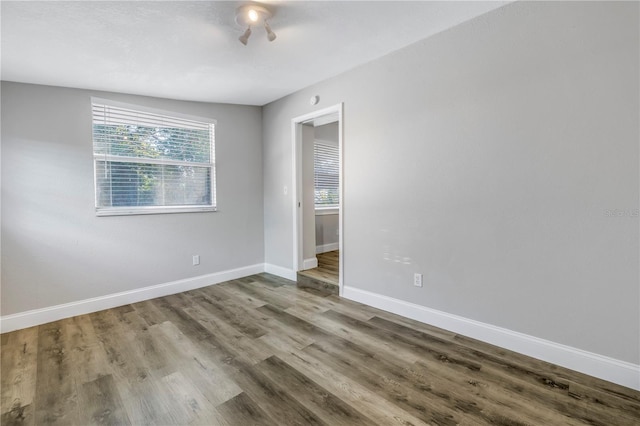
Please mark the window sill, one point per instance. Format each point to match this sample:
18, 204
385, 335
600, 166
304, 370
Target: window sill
322, 211
152, 210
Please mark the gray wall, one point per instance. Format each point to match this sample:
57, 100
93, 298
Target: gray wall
327, 228
55, 250
327, 132
500, 149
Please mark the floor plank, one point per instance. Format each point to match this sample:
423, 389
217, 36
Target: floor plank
56, 398
261, 351
101, 404
242, 410
325, 405
18, 374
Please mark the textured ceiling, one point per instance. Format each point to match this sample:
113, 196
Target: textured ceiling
190, 50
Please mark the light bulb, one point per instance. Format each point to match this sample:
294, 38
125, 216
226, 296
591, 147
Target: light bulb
270, 34
244, 38
253, 15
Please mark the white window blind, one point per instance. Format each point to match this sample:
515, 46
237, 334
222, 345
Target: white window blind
326, 174
149, 162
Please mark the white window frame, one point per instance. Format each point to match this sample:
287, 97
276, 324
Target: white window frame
159, 209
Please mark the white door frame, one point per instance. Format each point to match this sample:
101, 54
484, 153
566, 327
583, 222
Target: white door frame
296, 133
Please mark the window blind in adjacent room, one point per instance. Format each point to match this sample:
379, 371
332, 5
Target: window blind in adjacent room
326, 174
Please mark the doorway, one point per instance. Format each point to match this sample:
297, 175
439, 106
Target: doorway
316, 260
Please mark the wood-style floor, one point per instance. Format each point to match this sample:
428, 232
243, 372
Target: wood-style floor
327, 270
259, 351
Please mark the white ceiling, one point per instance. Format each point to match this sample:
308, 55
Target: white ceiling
190, 50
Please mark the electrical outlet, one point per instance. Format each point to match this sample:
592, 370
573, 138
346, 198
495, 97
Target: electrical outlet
417, 280
196, 259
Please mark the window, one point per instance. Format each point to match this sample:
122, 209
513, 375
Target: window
326, 174
151, 162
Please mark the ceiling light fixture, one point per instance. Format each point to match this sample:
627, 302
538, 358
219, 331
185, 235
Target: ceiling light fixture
250, 14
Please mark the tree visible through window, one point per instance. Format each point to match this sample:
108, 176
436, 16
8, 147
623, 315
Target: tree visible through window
146, 162
326, 174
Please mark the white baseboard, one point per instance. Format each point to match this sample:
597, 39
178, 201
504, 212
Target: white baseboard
81, 307
310, 263
327, 247
287, 273
606, 368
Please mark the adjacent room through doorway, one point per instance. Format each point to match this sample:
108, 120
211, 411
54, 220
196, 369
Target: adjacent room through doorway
319, 204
